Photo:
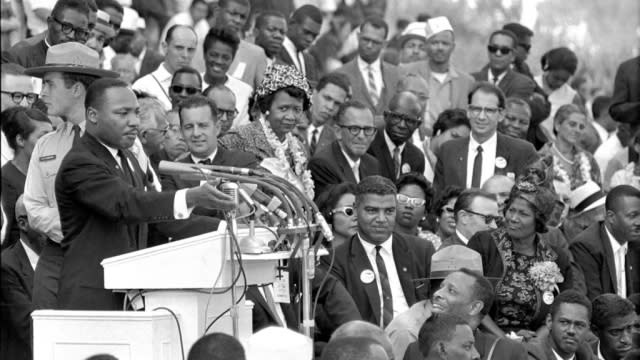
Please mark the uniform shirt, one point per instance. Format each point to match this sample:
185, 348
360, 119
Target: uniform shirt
488, 158
157, 84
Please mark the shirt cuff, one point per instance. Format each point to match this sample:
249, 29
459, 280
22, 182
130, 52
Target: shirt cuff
180, 209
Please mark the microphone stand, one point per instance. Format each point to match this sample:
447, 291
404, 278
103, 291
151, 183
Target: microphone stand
231, 188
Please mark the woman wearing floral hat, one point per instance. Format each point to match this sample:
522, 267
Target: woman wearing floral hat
282, 97
529, 271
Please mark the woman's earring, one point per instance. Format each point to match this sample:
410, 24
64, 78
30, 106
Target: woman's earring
266, 113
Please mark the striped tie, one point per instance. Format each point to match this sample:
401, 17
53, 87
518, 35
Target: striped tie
373, 91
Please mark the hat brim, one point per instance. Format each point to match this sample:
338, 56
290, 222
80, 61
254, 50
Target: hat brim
600, 202
39, 71
404, 38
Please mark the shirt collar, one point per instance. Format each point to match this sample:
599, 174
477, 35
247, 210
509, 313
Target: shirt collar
490, 142
162, 73
349, 160
67, 127
290, 47
462, 237
599, 353
196, 159
313, 127
46, 40
31, 255
500, 77
391, 145
364, 66
558, 357
615, 245
112, 151
370, 248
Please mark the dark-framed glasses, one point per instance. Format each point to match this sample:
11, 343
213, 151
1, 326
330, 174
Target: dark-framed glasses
346, 210
499, 50
18, 96
227, 114
355, 130
67, 28
178, 89
488, 219
396, 118
475, 110
416, 202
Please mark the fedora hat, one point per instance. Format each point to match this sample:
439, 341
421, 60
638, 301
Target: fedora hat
452, 258
71, 57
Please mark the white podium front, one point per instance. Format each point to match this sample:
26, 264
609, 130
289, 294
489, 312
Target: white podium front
179, 276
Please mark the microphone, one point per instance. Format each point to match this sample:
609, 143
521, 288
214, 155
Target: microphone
324, 227
246, 197
231, 189
234, 170
272, 203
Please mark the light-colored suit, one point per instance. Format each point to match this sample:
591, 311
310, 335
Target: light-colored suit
249, 64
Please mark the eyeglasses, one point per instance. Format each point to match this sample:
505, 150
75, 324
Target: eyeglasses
404, 199
475, 110
488, 219
347, 210
227, 114
17, 96
67, 28
526, 47
178, 89
502, 49
355, 130
396, 118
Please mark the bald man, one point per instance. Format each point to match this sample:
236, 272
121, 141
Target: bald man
390, 147
225, 100
500, 186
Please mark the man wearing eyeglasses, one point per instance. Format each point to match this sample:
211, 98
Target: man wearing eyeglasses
469, 162
225, 100
69, 21
498, 72
475, 210
396, 155
346, 159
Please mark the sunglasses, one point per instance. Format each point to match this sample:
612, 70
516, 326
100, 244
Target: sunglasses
404, 199
227, 114
396, 118
503, 50
17, 96
488, 219
67, 28
475, 111
178, 89
347, 210
355, 130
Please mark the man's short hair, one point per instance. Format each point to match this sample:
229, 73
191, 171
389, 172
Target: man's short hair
188, 70
221, 87
151, 111
438, 327
375, 185
607, 307
600, 105
96, 91
18, 122
349, 348
466, 198
450, 118
105, 4
224, 3
197, 101
513, 100
505, 33
338, 79
519, 30
570, 297
395, 99
72, 78
616, 194
223, 35
80, 6
304, 12
487, 87
348, 105
216, 346
377, 23
482, 289
261, 19
173, 29
356, 328
402, 83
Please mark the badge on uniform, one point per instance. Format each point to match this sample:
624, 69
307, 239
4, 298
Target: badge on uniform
367, 276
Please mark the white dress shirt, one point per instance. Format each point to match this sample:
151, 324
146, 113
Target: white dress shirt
462, 237
376, 67
6, 152
296, 56
242, 92
278, 307
599, 353
354, 165
619, 254
558, 357
157, 84
488, 158
310, 129
500, 77
397, 294
31, 255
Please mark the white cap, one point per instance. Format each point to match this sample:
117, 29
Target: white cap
278, 343
125, 3
416, 29
437, 25
130, 20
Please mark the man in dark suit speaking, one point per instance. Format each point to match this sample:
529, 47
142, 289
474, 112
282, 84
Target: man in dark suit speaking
104, 204
377, 266
469, 162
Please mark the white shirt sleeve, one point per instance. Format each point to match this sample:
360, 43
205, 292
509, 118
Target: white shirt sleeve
180, 209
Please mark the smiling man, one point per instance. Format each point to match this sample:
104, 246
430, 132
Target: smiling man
516, 119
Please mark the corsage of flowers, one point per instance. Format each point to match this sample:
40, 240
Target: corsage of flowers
546, 276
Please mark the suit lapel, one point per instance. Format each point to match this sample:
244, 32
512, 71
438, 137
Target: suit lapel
361, 262
460, 157
386, 79
25, 266
261, 301
360, 82
608, 253
505, 83
384, 157
101, 152
402, 258
342, 162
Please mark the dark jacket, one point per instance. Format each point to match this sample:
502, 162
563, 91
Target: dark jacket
312, 69
412, 159
625, 104
359, 88
512, 84
540, 349
26, 54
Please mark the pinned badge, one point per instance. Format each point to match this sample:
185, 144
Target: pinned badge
406, 168
501, 162
367, 276
547, 297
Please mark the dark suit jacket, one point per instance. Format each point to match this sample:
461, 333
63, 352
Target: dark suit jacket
512, 84
452, 240
312, 70
592, 251
16, 283
103, 215
359, 88
12, 187
263, 316
326, 137
451, 168
540, 349
411, 156
625, 106
329, 166
26, 54
150, 62
412, 259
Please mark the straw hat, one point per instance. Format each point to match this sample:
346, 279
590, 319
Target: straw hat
71, 57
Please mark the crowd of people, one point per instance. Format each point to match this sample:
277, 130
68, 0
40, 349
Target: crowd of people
476, 215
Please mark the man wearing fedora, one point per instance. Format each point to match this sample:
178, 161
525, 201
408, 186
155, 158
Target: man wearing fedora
68, 22
464, 292
69, 69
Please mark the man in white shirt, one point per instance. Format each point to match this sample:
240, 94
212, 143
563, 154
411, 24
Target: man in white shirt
179, 47
613, 322
475, 210
602, 121
303, 29
225, 100
196, 17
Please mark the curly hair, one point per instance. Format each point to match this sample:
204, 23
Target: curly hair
450, 192
265, 102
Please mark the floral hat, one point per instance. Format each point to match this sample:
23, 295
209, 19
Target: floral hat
278, 76
541, 198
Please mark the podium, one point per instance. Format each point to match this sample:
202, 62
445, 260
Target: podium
187, 277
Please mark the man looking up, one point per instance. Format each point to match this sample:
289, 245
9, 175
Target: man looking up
179, 47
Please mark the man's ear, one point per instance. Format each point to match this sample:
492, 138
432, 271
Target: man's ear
19, 140
92, 115
476, 307
548, 321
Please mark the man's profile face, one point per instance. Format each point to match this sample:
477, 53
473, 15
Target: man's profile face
226, 102
515, 122
522, 49
462, 345
474, 222
305, 33
56, 95
326, 102
376, 217
624, 219
371, 40
440, 46
568, 327
117, 117
455, 295
616, 339
15, 83
200, 130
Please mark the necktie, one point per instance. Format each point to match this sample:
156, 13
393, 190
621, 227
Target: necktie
495, 80
301, 63
272, 304
397, 161
387, 300
373, 90
477, 169
314, 141
124, 164
621, 273
76, 133
356, 172
137, 232
205, 162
